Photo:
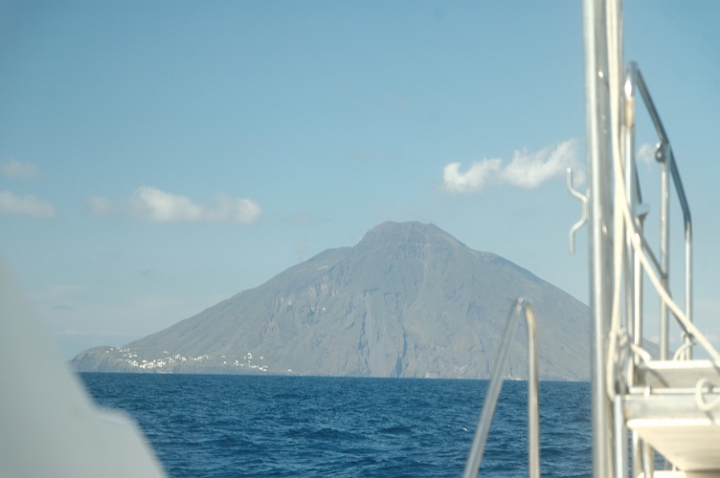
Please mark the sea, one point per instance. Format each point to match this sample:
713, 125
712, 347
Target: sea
217, 426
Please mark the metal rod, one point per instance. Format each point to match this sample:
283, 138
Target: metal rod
634, 279
631, 196
664, 247
651, 255
640, 81
496, 380
621, 442
637, 447
638, 312
600, 226
668, 159
688, 250
533, 394
677, 181
688, 286
680, 190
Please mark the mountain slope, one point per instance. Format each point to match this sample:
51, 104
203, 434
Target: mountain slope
409, 300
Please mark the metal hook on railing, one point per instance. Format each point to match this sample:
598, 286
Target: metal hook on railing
583, 219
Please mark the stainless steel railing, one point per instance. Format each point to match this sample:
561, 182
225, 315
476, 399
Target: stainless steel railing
481, 433
664, 155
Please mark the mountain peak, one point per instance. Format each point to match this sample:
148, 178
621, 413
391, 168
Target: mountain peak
403, 234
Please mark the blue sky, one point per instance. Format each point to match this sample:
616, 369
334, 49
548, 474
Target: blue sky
158, 157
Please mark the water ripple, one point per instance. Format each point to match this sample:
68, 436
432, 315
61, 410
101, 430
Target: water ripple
214, 426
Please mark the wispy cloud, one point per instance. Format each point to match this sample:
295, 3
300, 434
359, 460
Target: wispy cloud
158, 206
154, 205
238, 210
27, 205
98, 205
529, 170
526, 170
14, 169
474, 179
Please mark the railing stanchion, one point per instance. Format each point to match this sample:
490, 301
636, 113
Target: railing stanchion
496, 379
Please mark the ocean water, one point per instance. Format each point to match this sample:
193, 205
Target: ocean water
265, 426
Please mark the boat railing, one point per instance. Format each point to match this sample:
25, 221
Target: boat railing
634, 257
671, 407
634, 81
520, 307
639, 388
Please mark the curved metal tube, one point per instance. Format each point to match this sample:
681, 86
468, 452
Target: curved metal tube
491, 397
667, 158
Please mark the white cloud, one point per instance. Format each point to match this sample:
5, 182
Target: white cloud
27, 205
238, 210
98, 205
154, 205
157, 206
646, 153
526, 170
529, 170
480, 173
15, 169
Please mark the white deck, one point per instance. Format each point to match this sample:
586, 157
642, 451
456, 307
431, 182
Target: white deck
662, 409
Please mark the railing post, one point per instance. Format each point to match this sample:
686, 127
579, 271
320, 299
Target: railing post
496, 379
688, 284
688, 267
621, 441
632, 194
533, 394
635, 295
600, 224
663, 157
